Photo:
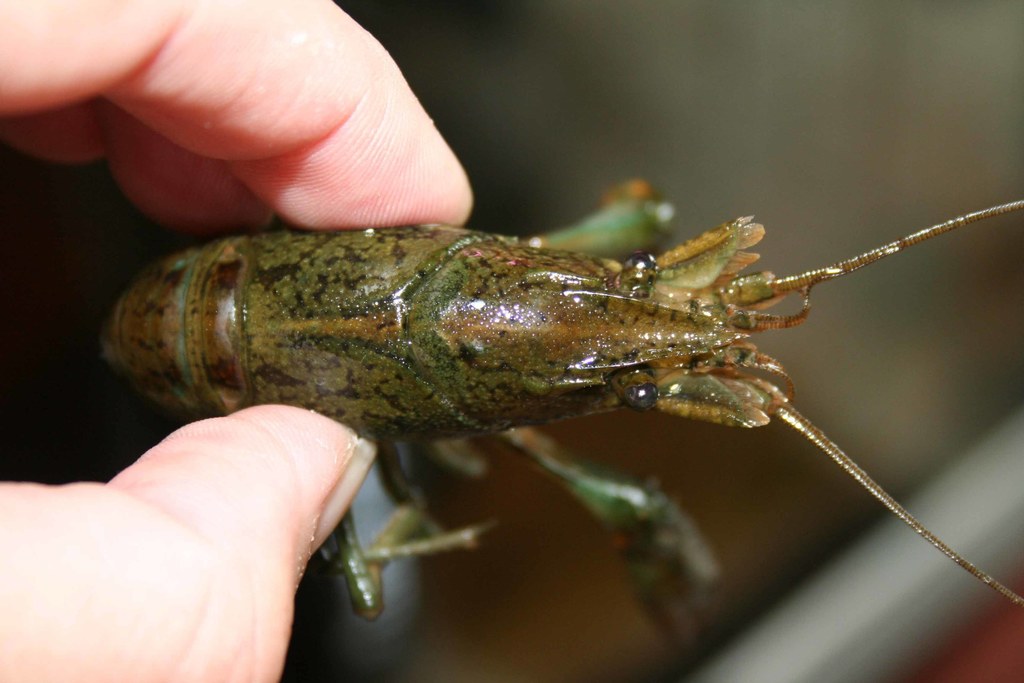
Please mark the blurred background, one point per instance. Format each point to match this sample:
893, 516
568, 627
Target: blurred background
839, 125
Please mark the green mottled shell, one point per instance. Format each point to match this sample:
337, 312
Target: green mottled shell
400, 333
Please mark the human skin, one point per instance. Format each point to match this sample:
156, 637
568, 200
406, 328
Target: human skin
211, 115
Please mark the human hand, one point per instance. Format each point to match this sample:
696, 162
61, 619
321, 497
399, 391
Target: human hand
209, 112
184, 566
211, 115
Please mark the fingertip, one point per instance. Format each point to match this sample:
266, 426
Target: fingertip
386, 165
332, 479
185, 564
256, 483
300, 101
324, 190
243, 494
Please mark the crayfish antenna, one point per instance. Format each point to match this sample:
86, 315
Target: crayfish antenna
804, 281
797, 421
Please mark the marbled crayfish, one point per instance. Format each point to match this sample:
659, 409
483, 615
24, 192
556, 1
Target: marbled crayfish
438, 333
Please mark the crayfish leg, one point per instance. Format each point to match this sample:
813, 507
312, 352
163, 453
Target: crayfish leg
361, 576
409, 532
633, 217
671, 566
460, 456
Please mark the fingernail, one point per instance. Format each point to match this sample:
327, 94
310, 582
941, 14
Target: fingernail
360, 459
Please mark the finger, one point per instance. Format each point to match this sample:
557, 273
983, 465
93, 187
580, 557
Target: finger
58, 53
312, 111
176, 188
184, 566
270, 472
69, 135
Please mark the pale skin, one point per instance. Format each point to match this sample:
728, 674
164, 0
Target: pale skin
212, 116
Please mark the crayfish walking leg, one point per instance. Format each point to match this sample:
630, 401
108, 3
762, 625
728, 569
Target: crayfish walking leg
672, 568
409, 532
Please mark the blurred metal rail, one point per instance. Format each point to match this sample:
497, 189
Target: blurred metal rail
890, 600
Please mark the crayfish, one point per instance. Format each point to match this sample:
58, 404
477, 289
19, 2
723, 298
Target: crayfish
438, 334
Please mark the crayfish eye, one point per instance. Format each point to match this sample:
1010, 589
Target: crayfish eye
638, 272
640, 260
641, 396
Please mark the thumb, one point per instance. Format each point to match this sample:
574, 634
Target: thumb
265, 478
265, 486
184, 566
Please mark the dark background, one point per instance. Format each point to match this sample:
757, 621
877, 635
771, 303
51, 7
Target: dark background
840, 125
